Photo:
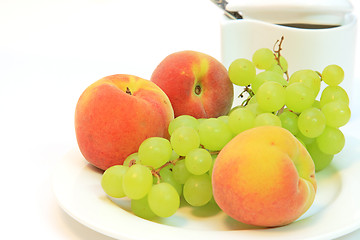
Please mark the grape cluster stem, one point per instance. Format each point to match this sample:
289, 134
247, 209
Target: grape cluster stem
277, 49
248, 90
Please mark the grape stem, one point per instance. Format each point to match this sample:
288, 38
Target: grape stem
319, 75
156, 172
277, 49
248, 90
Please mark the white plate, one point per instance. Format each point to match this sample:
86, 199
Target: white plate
335, 212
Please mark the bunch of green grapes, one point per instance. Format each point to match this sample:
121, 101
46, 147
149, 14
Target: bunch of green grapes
164, 172
293, 102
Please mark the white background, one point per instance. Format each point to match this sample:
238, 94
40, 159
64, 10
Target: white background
50, 51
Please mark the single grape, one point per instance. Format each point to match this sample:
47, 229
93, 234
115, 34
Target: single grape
276, 68
333, 93
267, 119
155, 152
255, 108
174, 156
331, 141
266, 76
224, 118
270, 96
241, 119
264, 58
242, 72
337, 113
111, 181
289, 121
180, 172
214, 134
321, 160
166, 175
198, 190
140, 207
304, 139
299, 97
198, 161
183, 120
137, 181
309, 77
163, 199
184, 139
131, 159
316, 104
333, 75
311, 122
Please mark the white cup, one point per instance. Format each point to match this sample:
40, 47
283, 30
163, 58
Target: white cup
303, 48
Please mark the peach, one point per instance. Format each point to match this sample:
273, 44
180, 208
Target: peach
265, 177
114, 115
196, 84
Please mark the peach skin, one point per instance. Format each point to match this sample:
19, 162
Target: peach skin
265, 177
116, 114
196, 84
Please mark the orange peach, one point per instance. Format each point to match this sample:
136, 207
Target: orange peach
196, 84
116, 114
265, 177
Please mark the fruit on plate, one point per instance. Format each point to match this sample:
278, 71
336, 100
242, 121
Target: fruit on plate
116, 114
196, 84
265, 177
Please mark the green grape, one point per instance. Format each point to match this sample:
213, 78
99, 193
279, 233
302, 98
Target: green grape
264, 58
321, 160
163, 199
140, 207
309, 77
174, 156
214, 134
111, 181
198, 161
252, 100
299, 97
166, 175
267, 119
304, 139
184, 139
234, 108
180, 172
337, 113
183, 120
276, 68
242, 72
289, 121
131, 159
224, 118
316, 104
283, 63
270, 96
198, 190
333, 93
155, 152
241, 119
255, 108
266, 76
311, 122
137, 181
331, 141
333, 75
